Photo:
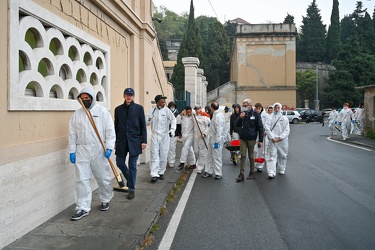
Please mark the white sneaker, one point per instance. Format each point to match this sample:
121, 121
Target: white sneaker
270, 176
171, 165
282, 172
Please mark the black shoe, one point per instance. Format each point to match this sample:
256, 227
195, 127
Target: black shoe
218, 177
79, 214
104, 206
131, 195
181, 166
205, 175
259, 170
161, 177
154, 179
240, 177
193, 166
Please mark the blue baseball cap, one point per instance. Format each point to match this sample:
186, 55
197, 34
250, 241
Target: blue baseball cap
129, 91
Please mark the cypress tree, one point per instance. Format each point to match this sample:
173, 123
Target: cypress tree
348, 29
190, 47
312, 45
215, 48
333, 35
289, 19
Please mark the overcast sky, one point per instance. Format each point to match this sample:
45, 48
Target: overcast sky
263, 11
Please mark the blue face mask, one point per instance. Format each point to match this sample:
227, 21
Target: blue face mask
277, 113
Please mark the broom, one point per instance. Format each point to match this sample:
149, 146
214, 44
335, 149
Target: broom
119, 177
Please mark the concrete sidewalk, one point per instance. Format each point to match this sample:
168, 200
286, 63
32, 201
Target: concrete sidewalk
123, 226
357, 140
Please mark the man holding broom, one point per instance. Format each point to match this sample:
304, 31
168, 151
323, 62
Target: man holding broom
86, 152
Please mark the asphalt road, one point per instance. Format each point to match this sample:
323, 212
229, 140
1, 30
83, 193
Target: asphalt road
326, 200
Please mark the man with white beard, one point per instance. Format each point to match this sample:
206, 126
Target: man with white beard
277, 130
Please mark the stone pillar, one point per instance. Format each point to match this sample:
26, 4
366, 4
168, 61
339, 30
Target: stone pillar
199, 87
306, 103
204, 91
191, 65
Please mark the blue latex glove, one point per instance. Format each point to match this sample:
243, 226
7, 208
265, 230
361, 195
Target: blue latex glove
216, 145
353, 121
73, 157
108, 153
340, 123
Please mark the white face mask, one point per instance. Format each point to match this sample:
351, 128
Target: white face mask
173, 109
245, 109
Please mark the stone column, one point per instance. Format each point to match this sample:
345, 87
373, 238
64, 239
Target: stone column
191, 65
199, 87
204, 91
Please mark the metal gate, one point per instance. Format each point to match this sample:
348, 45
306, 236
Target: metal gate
182, 99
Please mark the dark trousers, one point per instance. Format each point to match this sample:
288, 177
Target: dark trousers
130, 173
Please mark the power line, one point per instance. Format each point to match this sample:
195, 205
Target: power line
213, 9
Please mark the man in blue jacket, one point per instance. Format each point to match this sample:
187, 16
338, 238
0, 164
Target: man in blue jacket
131, 137
249, 126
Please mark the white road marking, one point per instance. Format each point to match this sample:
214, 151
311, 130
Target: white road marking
168, 237
349, 144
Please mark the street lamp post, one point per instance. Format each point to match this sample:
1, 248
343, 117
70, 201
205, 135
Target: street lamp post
317, 88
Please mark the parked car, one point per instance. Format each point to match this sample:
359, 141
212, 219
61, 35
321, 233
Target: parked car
312, 115
326, 112
293, 116
301, 109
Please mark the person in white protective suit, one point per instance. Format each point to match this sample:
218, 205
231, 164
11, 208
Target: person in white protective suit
201, 123
177, 134
88, 155
332, 121
215, 133
359, 116
187, 130
163, 126
260, 151
344, 119
277, 131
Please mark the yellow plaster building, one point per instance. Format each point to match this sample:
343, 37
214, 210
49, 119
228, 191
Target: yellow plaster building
263, 66
49, 51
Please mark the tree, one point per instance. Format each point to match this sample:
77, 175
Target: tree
306, 84
172, 25
333, 35
366, 34
230, 29
289, 19
215, 50
353, 68
311, 45
164, 50
348, 29
190, 47
341, 88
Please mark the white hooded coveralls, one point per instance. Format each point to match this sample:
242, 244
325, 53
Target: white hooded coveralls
160, 121
332, 120
345, 117
277, 152
90, 154
187, 130
215, 135
173, 145
260, 151
203, 144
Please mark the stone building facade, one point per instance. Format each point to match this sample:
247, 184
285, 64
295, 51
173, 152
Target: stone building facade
50, 50
263, 66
